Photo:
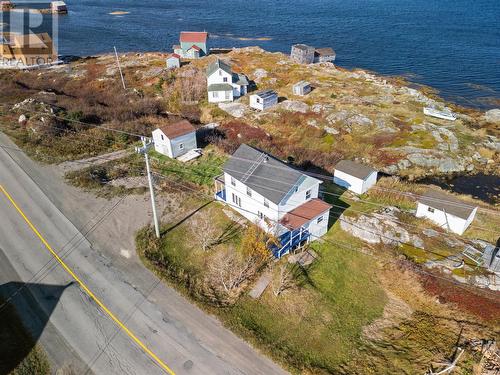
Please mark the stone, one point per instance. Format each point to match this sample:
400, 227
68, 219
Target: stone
359, 120
493, 115
337, 116
259, 74
294, 106
330, 130
22, 119
430, 232
234, 109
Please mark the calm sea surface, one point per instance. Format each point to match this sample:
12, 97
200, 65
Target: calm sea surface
451, 45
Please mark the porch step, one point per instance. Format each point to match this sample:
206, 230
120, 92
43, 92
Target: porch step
261, 285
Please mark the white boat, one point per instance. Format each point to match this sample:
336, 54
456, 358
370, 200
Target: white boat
445, 115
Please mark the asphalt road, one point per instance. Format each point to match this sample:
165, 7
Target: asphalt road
73, 328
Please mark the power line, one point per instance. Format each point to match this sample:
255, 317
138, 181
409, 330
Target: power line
339, 217
332, 242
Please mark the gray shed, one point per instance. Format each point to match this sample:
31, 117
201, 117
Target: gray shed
302, 53
302, 88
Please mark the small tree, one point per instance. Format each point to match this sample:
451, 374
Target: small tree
255, 244
285, 280
207, 231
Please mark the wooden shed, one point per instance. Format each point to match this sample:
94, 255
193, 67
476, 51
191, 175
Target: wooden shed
302, 88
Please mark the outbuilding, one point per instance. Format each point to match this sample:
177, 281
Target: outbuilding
173, 61
302, 88
302, 54
263, 100
58, 7
355, 177
324, 55
446, 211
176, 139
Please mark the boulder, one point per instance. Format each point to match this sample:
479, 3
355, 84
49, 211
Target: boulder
359, 120
493, 116
259, 74
294, 106
22, 119
234, 109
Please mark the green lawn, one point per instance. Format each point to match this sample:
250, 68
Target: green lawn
315, 326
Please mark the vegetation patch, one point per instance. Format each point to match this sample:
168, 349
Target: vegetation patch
19, 353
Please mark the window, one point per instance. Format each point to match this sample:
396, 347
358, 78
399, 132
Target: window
215, 94
308, 194
319, 220
258, 100
220, 72
296, 188
162, 138
228, 95
233, 181
249, 192
261, 215
181, 146
430, 209
236, 200
266, 203
224, 79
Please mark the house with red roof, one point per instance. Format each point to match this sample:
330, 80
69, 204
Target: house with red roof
175, 140
193, 44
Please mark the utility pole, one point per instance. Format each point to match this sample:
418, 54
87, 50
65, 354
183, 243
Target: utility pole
119, 68
144, 150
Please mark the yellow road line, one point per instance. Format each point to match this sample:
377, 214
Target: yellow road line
86, 289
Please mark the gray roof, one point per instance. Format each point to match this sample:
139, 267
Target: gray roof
449, 204
262, 173
303, 47
240, 79
218, 64
327, 51
358, 170
264, 94
220, 87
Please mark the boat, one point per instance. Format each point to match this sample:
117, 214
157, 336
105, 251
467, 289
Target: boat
445, 115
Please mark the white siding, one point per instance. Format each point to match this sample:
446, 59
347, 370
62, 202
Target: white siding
220, 76
258, 103
250, 206
162, 145
175, 147
299, 197
445, 220
220, 96
354, 184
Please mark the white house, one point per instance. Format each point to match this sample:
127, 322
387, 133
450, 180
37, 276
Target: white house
222, 84
173, 61
446, 211
176, 139
263, 99
355, 177
276, 197
302, 88
193, 44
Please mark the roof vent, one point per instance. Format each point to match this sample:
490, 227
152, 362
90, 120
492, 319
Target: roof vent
266, 159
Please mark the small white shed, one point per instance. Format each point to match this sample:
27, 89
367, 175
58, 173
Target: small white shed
173, 61
446, 211
355, 177
58, 7
263, 100
176, 139
302, 88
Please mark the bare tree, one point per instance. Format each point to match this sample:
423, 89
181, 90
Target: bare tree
207, 231
284, 281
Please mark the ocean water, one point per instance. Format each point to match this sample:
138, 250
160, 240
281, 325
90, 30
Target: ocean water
450, 45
